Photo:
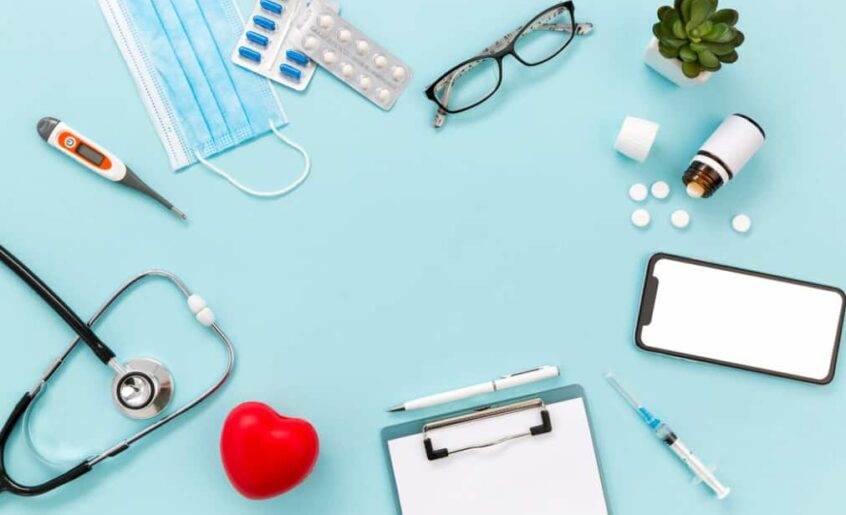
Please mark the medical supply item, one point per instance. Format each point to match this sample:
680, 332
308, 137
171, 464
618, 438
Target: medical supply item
741, 223
660, 190
638, 192
728, 316
502, 383
666, 435
350, 55
475, 80
200, 103
724, 155
94, 157
267, 49
636, 138
266, 454
680, 219
530, 455
641, 218
141, 388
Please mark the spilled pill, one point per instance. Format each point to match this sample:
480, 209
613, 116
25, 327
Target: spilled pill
249, 53
680, 218
641, 218
660, 190
638, 192
741, 223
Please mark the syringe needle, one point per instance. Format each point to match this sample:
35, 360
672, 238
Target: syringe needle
625, 394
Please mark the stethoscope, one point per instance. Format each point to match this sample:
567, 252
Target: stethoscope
142, 387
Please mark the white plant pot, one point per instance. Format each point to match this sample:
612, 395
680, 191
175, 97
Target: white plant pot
671, 69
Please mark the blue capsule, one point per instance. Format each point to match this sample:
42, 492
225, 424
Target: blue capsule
265, 23
249, 53
271, 7
297, 57
290, 71
258, 39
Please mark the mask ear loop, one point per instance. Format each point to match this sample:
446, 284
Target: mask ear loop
276, 193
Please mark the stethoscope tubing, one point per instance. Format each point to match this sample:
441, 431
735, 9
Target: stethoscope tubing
6, 482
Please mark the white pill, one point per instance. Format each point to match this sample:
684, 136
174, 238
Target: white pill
660, 190
310, 43
326, 21
638, 192
680, 218
330, 57
362, 46
384, 95
380, 61
399, 73
694, 190
365, 82
344, 35
347, 70
641, 218
741, 223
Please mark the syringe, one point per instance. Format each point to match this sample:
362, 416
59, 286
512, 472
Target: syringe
666, 435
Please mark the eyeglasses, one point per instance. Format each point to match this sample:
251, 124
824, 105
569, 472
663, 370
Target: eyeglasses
475, 80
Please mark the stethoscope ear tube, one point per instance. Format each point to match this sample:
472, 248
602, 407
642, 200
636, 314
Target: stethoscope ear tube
87, 335
7, 483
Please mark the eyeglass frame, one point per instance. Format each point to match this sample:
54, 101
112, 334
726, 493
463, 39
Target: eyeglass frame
498, 52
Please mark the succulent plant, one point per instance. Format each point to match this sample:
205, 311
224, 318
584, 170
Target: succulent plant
700, 36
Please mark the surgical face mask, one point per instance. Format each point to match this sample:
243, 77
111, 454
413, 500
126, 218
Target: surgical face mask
200, 103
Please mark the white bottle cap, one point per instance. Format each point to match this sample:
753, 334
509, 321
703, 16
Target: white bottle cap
636, 138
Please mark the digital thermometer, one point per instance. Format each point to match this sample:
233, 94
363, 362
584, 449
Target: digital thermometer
94, 157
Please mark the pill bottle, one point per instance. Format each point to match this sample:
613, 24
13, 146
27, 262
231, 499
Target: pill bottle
724, 155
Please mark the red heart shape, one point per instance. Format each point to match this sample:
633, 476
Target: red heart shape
264, 453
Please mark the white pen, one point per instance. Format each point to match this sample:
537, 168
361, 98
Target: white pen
509, 381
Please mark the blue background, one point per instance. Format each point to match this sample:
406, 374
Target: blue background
416, 260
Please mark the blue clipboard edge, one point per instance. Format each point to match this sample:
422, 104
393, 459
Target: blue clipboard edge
551, 396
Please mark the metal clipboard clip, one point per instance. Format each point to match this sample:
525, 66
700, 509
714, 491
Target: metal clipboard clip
485, 413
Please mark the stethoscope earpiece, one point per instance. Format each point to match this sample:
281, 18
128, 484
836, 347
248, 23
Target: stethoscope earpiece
142, 388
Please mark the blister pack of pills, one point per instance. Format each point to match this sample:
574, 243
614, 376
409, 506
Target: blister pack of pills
350, 55
266, 49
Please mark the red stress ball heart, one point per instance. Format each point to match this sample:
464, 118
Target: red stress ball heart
264, 453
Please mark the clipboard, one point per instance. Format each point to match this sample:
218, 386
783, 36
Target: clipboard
533, 454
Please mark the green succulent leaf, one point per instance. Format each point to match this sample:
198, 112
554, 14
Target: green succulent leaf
719, 33
667, 51
663, 10
701, 10
698, 47
738, 39
708, 60
678, 30
687, 55
718, 49
691, 69
728, 16
683, 8
728, 58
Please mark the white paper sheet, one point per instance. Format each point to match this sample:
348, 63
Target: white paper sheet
551, 474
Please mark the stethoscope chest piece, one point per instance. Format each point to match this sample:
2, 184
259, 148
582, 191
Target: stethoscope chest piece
142, 388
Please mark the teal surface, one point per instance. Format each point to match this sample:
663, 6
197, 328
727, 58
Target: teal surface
416, 260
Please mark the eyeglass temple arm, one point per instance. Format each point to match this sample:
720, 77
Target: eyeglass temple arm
448, 82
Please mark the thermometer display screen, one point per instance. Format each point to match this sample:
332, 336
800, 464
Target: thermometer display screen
89, 154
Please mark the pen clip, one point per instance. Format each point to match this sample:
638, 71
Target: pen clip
515, 374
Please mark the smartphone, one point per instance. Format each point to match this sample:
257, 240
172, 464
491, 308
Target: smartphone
719, 314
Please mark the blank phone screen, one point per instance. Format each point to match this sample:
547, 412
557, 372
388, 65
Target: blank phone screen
740, 318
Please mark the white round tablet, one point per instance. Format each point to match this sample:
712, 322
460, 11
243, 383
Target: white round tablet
741, 223
344, 35
638, 192
641, 218
310, 43
680, 218
326, 21
660, 190
384, 95
362, 46
365, 82
399, 73
330, 57
380, 61
347, 70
